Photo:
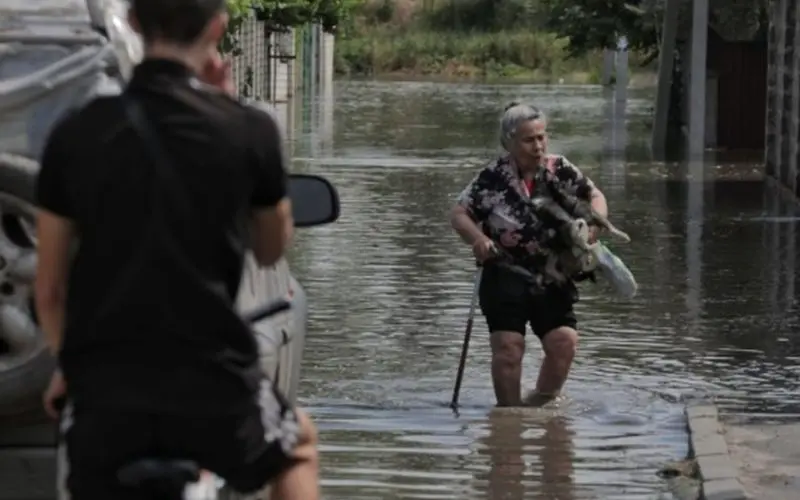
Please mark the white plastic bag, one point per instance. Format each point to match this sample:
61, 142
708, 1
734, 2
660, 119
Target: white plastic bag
615, 271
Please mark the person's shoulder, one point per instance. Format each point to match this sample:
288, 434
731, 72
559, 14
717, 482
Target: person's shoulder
251, 114
258, 108
97, 111
75, 121
262, 117
495, 166
491, 176
213, 101
69, 122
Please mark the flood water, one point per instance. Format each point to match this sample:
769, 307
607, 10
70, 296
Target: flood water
390, 287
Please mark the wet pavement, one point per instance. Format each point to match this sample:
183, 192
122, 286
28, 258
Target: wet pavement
768, 459
390, 286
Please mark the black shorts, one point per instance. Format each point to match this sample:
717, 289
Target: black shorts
247, 450
508, 302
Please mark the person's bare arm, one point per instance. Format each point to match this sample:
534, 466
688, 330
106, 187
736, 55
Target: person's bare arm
470, 211
55, 235
56, 231
272, 230
271, 223
465, 226
598, 200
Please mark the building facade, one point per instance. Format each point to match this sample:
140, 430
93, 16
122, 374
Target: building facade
783, 95
732, 87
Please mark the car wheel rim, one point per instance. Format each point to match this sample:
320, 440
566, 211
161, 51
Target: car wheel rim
20, 338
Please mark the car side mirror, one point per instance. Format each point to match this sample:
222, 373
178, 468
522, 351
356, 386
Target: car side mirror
314, 200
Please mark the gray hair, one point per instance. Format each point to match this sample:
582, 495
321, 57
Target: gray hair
515, 115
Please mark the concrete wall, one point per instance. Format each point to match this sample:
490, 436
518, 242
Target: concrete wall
783, 94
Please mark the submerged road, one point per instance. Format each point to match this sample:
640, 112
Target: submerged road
390, 286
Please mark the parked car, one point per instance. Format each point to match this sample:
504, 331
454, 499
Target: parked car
56, 55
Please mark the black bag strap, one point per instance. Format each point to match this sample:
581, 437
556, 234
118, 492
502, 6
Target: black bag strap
163, 175
166, 181
164, 171
166, 184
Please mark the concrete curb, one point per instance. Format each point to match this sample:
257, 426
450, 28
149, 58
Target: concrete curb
707, 446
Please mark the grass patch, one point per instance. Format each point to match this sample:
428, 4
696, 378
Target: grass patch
506, 55
461, 39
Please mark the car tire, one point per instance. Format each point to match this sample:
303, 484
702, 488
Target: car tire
25, 362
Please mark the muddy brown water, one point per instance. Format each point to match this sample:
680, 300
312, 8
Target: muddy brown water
390, 286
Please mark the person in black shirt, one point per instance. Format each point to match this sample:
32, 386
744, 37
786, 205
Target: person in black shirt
141, 252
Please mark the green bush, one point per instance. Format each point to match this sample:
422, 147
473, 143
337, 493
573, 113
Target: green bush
460, 38
482, 15
458, 54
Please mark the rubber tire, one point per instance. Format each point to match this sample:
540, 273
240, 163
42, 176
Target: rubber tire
21, 387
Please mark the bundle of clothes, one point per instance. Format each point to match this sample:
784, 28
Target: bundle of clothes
568, 214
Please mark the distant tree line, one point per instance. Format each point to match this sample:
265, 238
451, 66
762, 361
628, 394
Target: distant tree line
588, 24
597, 24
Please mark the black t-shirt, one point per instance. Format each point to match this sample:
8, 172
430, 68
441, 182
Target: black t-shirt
150, 321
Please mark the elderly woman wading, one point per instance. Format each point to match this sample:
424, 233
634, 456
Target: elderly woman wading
498, 200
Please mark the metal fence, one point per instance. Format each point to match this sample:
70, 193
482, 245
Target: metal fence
251, 65
263, 66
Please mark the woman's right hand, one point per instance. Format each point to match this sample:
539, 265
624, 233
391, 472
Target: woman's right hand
484, 249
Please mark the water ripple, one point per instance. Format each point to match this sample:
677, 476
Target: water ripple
390, 286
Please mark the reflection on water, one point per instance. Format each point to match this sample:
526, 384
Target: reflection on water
525, 455
390, 287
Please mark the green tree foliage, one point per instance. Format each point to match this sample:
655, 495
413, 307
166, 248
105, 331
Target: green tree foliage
483, 15
596, 24
740, 19
280, 15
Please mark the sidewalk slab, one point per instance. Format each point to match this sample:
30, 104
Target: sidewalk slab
767, 457
707, 445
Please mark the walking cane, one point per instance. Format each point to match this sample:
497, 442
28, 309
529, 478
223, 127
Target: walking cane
467, 334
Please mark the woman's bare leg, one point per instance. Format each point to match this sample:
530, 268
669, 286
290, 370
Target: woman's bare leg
301, 482
560, 346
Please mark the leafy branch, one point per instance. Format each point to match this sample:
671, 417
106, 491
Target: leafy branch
281, 15
597, 24
593, 24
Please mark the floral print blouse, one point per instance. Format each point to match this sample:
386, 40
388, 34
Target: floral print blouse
499, 200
